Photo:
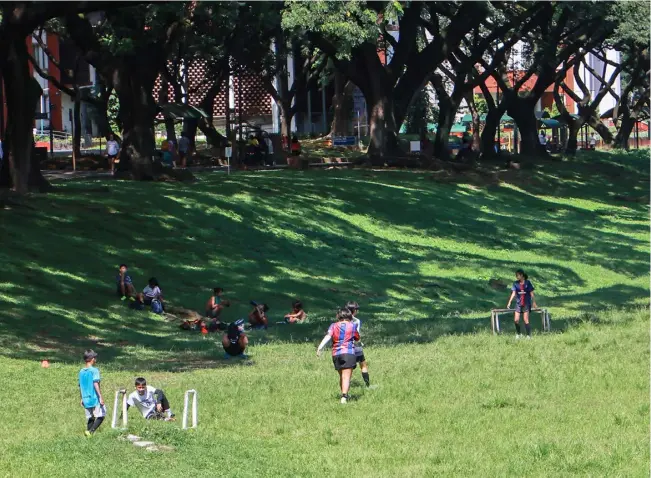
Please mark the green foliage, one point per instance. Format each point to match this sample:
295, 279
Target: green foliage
632, 19
420, 113
553, 111
481, 104
347, 24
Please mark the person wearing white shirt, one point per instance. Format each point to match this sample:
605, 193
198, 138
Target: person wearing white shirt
542, 138
593, 141
150, 401
112, 151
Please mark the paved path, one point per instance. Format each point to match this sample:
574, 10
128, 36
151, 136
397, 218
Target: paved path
66, 174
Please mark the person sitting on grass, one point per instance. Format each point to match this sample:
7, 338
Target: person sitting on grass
523, 288
125, 284
150, 294
343, 333
258, 316
214, 306
150, 401
297, 314
235, 340
295, 146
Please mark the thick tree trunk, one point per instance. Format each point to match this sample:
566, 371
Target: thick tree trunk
491, 124
476, 122
22, 92
383, 131
341, 106
522, 112
286, 116
573, 128
76, 129
206, 125
134, 87
624, 132
447, 110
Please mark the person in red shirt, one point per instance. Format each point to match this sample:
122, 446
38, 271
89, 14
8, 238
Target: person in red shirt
343, 334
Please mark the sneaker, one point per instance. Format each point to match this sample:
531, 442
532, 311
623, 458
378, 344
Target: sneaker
132, 299
243, 356
88, 434
124, 297
518, 336
343, 400
227, 356
170, 419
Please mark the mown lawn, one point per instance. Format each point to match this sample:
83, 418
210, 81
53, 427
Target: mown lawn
416, 252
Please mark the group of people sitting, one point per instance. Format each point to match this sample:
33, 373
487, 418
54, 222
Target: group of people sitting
152, 296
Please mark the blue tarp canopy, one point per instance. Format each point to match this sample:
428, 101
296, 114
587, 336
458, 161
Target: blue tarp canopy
550, 123
467, 118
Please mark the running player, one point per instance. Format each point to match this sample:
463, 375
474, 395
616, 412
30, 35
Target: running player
343, 333
359, 351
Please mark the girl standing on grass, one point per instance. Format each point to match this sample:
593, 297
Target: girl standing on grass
523, 288
343, 334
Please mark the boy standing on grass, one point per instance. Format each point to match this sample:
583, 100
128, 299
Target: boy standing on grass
150, 401
359, 351
91, 395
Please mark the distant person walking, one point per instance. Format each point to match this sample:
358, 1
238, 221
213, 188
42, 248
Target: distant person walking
593, 142
184, 149
112, 152
542, 137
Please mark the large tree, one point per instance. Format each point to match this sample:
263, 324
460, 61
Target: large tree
455, 79
129, 48
22, 91
351, 33
561, 31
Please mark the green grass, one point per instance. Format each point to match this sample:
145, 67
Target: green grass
417, 254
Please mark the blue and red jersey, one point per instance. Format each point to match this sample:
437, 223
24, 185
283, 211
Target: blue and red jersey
523, 291
344, 334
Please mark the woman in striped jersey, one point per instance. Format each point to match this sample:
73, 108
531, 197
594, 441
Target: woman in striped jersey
343, 334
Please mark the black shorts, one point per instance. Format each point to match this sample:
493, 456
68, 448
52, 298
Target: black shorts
234, 350
147, 300
344, 361
360, 358
523, 308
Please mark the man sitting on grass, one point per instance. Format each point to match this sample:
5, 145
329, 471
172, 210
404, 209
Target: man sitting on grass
150, 401
124, 284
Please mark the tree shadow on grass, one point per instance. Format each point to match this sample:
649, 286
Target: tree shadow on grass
387, 240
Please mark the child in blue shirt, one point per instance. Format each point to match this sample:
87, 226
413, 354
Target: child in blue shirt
91, 394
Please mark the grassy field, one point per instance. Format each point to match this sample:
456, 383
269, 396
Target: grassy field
415, 249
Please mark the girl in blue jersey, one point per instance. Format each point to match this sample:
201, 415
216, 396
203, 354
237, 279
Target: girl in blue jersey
522, 289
